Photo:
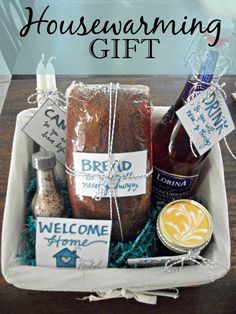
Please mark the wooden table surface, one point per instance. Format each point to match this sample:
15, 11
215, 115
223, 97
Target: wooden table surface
217, 297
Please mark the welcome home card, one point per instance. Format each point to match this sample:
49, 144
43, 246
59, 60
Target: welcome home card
72, 243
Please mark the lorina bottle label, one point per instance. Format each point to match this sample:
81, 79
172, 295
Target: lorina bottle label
167, 186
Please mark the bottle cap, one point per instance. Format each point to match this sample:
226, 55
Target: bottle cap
184, 225
43, 160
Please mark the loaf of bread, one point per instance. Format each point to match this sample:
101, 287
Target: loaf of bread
87, 131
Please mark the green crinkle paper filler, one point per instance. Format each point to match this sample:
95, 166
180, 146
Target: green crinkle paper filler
145, 244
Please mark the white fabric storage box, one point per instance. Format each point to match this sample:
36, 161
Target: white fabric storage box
212, 192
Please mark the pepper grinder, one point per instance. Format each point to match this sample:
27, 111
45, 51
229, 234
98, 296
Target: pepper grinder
47, 201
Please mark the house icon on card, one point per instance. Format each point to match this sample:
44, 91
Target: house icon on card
66, 258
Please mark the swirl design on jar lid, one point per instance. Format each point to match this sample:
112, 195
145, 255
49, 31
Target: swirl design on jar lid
183, 225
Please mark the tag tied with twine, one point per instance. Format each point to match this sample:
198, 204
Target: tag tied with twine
40, 97
206, 118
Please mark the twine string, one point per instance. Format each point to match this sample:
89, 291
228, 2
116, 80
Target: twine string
193, 256
41, 96
112, 167
90, 176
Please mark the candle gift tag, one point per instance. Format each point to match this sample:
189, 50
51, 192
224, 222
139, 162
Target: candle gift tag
206, 119
47, 128
72, 243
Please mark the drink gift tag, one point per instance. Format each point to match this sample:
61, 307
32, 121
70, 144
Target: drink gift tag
47, 128
93, 167
206, 119
72, 243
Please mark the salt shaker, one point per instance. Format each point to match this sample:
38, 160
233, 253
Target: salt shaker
47, 201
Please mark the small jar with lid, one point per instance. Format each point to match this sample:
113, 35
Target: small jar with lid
184, 225
47, 201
